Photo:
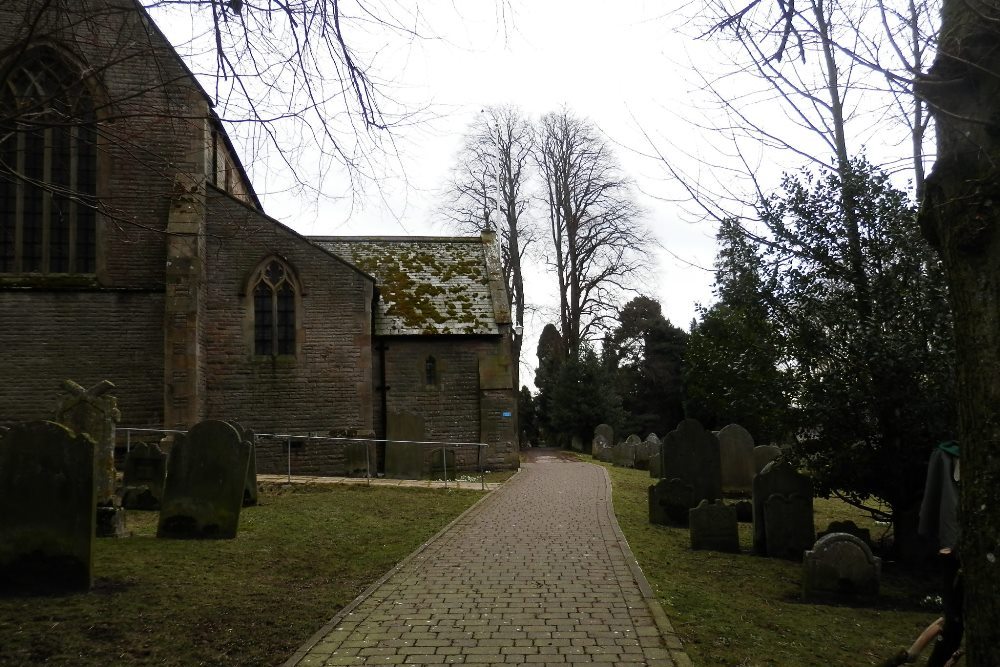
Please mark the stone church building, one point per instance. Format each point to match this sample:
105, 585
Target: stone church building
133, 248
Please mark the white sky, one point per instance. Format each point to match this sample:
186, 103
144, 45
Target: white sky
623, 65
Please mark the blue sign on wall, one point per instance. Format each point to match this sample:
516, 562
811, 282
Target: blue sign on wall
506, 413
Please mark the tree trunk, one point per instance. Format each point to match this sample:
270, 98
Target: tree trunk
961, 217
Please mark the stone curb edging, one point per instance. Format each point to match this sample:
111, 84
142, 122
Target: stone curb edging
667, 633
303, 650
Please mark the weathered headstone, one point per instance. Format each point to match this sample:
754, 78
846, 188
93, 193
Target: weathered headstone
404, 458
606, 432
764, 454
94, 412
145, 470
744, 511
646, 450
47, 500
250, 491
782, 511
623, 454
441, 463
206, 479
713, 527
597, 447
359, 458
690, 455
840, 565
669, 502
736, 457
850, 528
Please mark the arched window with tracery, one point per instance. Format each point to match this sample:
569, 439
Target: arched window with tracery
275, 294
48, 168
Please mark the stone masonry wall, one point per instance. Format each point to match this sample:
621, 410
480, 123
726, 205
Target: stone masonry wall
328, 385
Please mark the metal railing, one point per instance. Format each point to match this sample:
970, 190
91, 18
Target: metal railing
289, 438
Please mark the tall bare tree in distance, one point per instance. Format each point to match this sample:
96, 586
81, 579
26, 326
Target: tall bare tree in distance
599, 246
489, 190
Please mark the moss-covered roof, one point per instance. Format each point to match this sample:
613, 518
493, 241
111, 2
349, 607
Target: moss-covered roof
428, 285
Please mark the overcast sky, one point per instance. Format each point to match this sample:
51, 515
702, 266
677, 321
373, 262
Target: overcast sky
631, 67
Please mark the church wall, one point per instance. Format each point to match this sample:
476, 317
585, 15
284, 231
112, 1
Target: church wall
455, 409
327, 386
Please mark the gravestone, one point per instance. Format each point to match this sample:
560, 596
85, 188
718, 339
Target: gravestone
47, 500
670, 500
736, 457
623, 455
251, 492
404, 458
713, 527
744, 511
850, 528
764, 454
606, 432
94, 412
690, 455
441, 463
646, 450
145, 470
576, 443
206, 480
597, 447
782, 511
840, 565
359, 458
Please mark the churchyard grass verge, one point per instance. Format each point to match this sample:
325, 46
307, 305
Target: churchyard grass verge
301, 555
741, 610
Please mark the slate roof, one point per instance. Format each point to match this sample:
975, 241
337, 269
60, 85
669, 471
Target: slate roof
430, 285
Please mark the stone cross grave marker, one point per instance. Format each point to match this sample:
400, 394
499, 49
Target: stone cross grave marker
840, 565
713, 527
782, 511
145, 471
94, 412
690, 455
736, 456
47, 500
206, 478
606, 432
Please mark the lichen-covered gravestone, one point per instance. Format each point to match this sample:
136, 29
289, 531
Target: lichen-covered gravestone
840, 565
689, 456
145, 471
623, 455
47, 500
646, 450
782, 511
206, 478
598, 446
604, 431
713, 527
94, 412
736, 456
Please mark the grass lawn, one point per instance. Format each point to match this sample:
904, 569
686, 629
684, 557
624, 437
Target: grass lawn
746, 611
300, 556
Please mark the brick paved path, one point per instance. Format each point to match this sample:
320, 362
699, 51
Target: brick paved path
536, 573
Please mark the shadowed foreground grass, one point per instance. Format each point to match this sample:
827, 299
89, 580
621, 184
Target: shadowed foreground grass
300, 556
740, 610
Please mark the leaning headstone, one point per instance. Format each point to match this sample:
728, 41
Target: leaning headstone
606, 432
850, 528
690, 456
206, 479
441, 463
145, 470
736, 457
782, 511
764, 454
840, 566
94, 412
47, 500
713, 527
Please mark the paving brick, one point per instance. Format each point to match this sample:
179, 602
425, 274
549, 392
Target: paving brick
535, 574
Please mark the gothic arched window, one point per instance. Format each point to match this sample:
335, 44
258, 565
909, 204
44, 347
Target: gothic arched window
48, 168
275, 293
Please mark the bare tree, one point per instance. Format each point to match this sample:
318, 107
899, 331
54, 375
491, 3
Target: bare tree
598, 243
488, 190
